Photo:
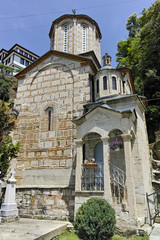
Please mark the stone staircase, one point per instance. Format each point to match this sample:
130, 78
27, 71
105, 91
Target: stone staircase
156, 174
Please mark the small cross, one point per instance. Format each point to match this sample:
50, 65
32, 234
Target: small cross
74, 11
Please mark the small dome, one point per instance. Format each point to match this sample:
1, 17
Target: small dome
106, 67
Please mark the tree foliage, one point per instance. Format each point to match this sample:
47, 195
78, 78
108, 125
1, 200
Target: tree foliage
7, 83
141, 52
7, 120
7, 149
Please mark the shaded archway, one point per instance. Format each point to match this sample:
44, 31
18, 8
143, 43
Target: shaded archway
117, 157
93, 176
117, 166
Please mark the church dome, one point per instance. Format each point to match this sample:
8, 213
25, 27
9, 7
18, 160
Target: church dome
75, 34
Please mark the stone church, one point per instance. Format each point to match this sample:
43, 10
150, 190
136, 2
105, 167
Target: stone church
72, 111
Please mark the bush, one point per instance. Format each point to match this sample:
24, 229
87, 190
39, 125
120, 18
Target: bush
117, 237
95, 220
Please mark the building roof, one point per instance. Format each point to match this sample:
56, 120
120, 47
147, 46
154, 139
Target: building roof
90, 55
82, 59
3, 50
25, 49
11, 50
105, 106
79, 16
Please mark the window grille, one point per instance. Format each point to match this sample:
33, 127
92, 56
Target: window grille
83, 38
65, 37
92, 178
118, 178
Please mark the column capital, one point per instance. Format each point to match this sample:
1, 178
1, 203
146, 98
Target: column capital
126, 136
105, 139
78, 141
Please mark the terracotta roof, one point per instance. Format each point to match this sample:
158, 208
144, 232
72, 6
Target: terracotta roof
79, 16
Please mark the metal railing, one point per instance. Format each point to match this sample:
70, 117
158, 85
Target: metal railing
92, 178
118, 178
153, 201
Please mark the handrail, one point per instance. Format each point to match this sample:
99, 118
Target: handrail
156, 203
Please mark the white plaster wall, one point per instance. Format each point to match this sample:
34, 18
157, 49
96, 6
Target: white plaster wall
109, 73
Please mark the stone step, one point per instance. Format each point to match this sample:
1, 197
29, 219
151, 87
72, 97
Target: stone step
157, 220
32, 229
155, 234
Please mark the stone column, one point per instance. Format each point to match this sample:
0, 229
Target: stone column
131, 198
78, 177
9, 207
74, 31
107, 181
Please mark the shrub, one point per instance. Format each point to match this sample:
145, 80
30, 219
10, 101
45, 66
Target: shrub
117, 237
95, 220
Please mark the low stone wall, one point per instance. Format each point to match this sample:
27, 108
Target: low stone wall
46, 203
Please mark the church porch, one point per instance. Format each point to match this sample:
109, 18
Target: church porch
112, 177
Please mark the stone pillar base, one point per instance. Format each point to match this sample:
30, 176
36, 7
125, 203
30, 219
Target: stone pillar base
9, 209
9, 219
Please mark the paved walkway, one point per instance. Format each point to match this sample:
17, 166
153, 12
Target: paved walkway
32, 229
155, 235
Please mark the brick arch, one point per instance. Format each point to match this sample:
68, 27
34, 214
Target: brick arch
54, 65
96, 130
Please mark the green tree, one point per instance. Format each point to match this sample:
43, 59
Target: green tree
141, 53
7, 120
7, 149
7, 83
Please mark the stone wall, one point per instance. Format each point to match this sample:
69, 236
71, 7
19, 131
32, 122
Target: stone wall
74, 37
63, 86
46, 203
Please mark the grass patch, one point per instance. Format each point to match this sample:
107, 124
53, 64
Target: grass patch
67, 235
117, 237
70, 235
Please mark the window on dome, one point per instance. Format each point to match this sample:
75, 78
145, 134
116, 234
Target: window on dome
114, 83
104, 83
84, 28
65, 37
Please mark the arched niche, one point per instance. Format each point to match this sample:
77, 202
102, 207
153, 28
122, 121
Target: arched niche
89, 142
117, 157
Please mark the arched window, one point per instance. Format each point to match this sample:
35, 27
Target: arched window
49, 112
104, 83
65, 37
114, 83
84, 28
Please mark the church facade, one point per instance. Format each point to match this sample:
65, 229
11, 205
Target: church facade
72, 112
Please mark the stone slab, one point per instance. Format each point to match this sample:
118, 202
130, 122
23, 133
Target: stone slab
47, 176
155, 235
32, 229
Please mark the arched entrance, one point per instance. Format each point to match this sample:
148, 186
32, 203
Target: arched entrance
92, 176
117, 166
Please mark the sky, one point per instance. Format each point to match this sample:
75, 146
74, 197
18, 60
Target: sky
28, 22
